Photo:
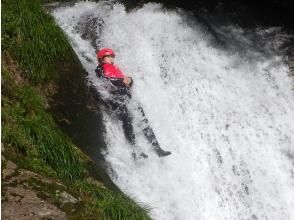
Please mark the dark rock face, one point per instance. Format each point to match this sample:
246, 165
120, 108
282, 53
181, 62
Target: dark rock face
75, 107
88, 27
270, 12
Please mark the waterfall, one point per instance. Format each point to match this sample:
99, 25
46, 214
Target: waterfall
225, 112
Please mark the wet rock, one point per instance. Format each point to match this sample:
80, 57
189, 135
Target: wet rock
67, 198
24, 204
22, 199
24, 175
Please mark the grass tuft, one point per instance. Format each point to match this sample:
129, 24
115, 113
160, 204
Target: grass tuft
29, 129
114, 205
33, 38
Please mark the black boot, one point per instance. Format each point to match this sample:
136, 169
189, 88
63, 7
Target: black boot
162, 153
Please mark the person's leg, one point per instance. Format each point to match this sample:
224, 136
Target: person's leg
123, 114
126, 119
150, 136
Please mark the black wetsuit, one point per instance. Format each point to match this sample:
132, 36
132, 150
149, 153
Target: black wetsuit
118, 103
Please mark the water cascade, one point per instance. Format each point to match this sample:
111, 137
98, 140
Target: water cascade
226, 113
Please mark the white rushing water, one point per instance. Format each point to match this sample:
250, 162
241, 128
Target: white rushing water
227, 116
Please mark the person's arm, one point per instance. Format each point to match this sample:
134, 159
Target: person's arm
122, 82
128, 81
120, 87
99, 71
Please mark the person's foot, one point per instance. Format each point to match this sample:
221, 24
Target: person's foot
141, 155
162, 153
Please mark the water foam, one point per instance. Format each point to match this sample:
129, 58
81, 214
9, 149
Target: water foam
226, 117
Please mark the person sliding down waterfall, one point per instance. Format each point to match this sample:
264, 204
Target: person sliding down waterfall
120, 85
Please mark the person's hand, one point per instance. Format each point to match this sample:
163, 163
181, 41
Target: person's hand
128, 81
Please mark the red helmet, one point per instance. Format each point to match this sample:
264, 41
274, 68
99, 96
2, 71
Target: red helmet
104, 52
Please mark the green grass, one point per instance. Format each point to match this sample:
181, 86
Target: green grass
114, 205
29, 134
31, 130
32, 37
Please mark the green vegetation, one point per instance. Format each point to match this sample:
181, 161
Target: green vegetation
32, 37
32, 48
114, 205
28, 128
96, 202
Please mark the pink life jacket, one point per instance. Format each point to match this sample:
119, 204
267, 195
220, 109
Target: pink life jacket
112, 71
